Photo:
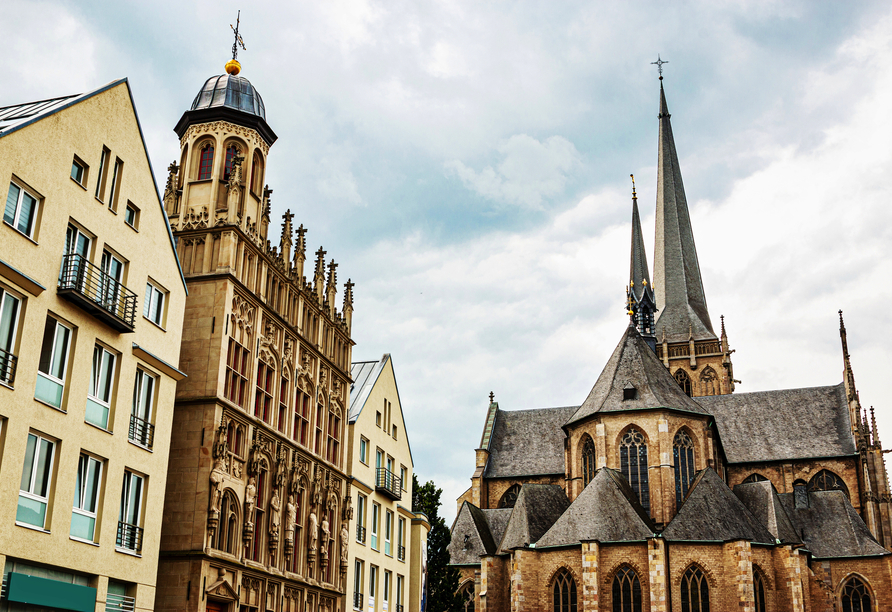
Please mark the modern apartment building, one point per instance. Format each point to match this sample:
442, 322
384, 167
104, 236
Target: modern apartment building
91, 313
388, 543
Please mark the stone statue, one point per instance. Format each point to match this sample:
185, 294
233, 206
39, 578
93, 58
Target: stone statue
326, 536
250, 500
274, 506
345, 537
314, 532
217, 475
290, 518
234, 197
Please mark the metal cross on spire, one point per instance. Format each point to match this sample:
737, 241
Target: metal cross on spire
659, 63
238, 42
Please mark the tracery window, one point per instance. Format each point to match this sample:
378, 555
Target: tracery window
509, 498
694, 591
236, 372
683, 454
633, 464
588, 460
564, 592
227, 528
334, 437
206, 162
284, 394
231, 152
825, 480
683, 380
301, 418
626, 591
234, 438
754, 477
320, 416
855, 596
467, 597
709, 381
759, 590
263, 398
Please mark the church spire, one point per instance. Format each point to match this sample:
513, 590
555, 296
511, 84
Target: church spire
679, 289
639, 293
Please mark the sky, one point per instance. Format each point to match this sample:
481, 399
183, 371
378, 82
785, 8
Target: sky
467, 166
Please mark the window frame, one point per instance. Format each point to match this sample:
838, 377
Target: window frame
11, 327
150, 303
131, 215
376, 519
238, 358
51, 377
388, 532
206, 161
16, 221
111, 376
80, 491
361, 505
47, 484
126, 509
114, 188
363, 450
103, 170
84, 174
143, 409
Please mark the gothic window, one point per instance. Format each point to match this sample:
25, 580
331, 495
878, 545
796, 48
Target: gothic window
334, 436
301, 417
510, 497
231, 152
754, 477
633, 463
234, 438
320, 416
236, 372
825, 480
683, 380
206, 163
564, 592
759, 590
467, 597
284, 394
588, 460
855, 596
694, 591
227, 528
709, 381
626, 591
683, 454
256, 173
263, 398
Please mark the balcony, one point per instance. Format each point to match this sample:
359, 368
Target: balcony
141, 431
129, 537
401, 553
399, 607
357, 601
360, 534
8, 363
119, 603
388, 483
87, 286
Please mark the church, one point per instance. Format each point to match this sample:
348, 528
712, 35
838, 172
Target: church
665, 490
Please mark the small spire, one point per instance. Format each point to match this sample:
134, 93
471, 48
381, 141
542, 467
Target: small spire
233, 66
873, 427
634, 195
492, 397
319, 276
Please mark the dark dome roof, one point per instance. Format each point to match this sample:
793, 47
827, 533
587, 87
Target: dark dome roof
230, 91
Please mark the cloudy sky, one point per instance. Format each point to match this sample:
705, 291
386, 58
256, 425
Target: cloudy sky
467, 166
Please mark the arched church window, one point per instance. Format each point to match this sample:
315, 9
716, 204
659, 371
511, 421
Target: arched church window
694, 591
509, 498
683, 380
683, 454
825, 480
709, 381
626, 591
754, 477
231, 152
855, 596
206, 162
633, 463
564, 592
256, 172
467, 597
759, 590
263, 397
588, 460
227, 527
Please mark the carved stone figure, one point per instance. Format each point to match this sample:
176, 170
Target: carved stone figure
217, 475
290, 518
326, 536
314, 532
345, 538
250, 500
274, 506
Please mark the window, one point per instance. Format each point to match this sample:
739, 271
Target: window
206, 164
234, 434
364, 450
101, 382
683, 454
131, 215
683, 380
467, 597
401, 540
263, 396
334, 437
509, 498
283, 404
759, 590
633, 463
754, 477
74, 261
10, 307
320, 416
227, 538
399, 593
626, 591
21, 210
86, 497
825, 480
153, 306
588, 460
378, 418
37, 474
373, 582
257, 172
141, 429
115, 180
103, 160
301, 418
360, 518
694, 591
709, 381
53, 363
564, 592
387, 576
394, 432
357, 585
376, 515
379, 458
403, 477
231, 152
236, 373
78, 171
388, 532
855, 596
129, 536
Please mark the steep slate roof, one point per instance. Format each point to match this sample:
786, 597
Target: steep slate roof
783, 424
762, 500
830, 527
606, 511
638, 272
527, 442
476, 532
712, 513
634, 362
681, 300
537, 507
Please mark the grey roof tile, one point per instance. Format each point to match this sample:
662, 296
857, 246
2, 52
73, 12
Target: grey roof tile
762, 500
527, 442
537, 507
475, 533
639, 277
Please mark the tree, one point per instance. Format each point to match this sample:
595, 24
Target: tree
442, 580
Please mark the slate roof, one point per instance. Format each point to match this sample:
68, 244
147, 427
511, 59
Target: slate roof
712, 513
537, 507
830, 527
476, 532
527, 442
633, 361
681, 300
762, 500
783, 424
639, 277
607, 510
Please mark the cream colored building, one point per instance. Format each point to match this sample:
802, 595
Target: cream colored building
388, 540
91, 313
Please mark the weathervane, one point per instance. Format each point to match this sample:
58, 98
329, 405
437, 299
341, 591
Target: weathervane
238, 37
659, 63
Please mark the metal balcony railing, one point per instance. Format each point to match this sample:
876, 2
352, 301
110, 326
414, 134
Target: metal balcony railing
389, 483
401, 553
89, 287
119, 603
129, 537
360, 534
357, 601
8, 364
141, 431
399, 607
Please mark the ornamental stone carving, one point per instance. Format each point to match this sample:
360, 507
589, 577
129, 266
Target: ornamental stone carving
224, 127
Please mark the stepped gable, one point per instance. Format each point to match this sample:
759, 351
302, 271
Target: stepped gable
762, 500
712, 513
830, 527
527, 443
607, 510
537, 507
783, 425
472, 536
634, 363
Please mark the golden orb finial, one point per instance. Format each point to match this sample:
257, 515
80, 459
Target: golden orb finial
233, 67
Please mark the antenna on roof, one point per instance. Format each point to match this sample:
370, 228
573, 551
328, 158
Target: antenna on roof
232, 66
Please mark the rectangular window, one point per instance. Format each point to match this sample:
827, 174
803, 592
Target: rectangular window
334, 438
399, 591
37, 475
129, 530
21, 210
388, 532
109, 288
263, 397
53, 364
86, 498
379, 458
373, 582
115, 180
283, 405
236, 373
386, 589
401, 540
131, 215
357, 585
378, 418
78, 171
101, 383
360, 518
404, 476
141, 429
10, 307
364, 450
301, 417
102, 168
153, 305
394, 432
320, 415
376, 517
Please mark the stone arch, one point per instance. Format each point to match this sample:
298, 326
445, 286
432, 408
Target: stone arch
754, 477
633, 458
587, 455
198, 149
241, 149
467, 591
855, 594
625, 589
509, 497
709, 575
694, 586
684, 460
684, 381
761, 588
827, 480
228, 533
709, 381
564, 590
258, 163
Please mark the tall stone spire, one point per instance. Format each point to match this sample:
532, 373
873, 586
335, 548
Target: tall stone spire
640, 294
677, 284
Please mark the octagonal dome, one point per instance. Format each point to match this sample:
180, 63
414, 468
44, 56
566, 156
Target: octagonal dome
232, 92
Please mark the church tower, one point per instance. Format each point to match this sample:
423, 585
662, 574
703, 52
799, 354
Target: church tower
685, 340
639, 293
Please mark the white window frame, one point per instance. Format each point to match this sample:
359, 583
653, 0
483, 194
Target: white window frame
52, 377
399, 590
102, 170
376, 518
153, 304
117, 169
403, 477
357, 581
373, 582
386, 598
45, 486
144, 388
131, 215
75, 161
10, 314
96, 394
361, 503
127, 503
85, 464
388, 533
401, 539
363, 450
16, 221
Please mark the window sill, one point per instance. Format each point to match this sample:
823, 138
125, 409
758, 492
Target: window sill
7, 385
32, 527
127, 551
48, 405
81, 185
131, 227
100, 428
153, 323
138, 445
19, 232
82, 541
99, 200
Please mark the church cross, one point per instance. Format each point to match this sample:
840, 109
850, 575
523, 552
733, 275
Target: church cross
492, 397
238, 42
659, 63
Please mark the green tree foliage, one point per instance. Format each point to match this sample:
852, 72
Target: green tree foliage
442, 580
